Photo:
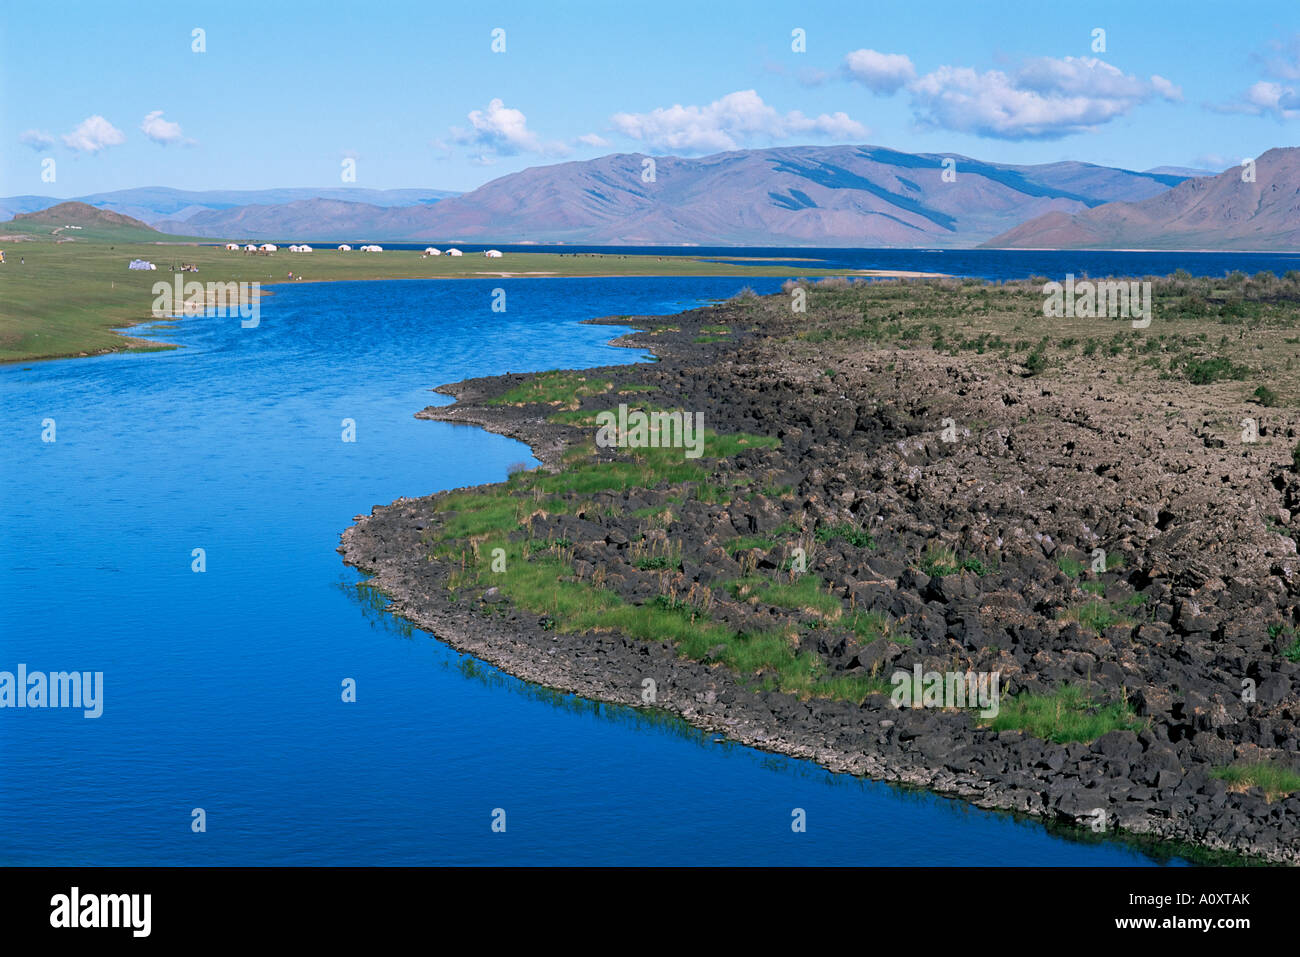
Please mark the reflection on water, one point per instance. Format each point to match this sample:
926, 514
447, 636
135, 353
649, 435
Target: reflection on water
373, 605
222, 688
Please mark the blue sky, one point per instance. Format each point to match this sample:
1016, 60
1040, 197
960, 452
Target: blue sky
414, 93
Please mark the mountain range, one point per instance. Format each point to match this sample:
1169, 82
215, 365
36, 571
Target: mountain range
808, 195
858, 196
1255, 209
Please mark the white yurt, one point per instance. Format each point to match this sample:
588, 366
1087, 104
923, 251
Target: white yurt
250, 248
232, 246
430, 251
492, 253
454, 252
304, 249
372, 249
268, 247
345, 248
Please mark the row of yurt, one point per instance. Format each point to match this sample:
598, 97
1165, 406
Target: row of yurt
345, 248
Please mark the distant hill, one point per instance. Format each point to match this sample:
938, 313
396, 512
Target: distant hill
1216, 212
80, 221
804, 195
307, 219
78, 214
154, 204
1188, 171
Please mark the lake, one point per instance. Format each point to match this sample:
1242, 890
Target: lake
222, 687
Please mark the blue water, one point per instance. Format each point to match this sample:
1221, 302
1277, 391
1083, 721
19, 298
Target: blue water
222, 688
991, 264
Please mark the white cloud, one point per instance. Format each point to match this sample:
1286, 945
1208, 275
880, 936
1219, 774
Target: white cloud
38, 140
162, 131
502, 131
1272, 98
1280, 100
1166, 89
591, 139
1264, 98
93, 134
880, 72
729, 123
1046, 99
1078, 76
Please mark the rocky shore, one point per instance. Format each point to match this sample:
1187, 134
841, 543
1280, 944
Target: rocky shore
1061, 530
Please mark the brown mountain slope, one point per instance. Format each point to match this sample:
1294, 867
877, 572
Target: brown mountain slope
78, 214
801, 195
1209, 212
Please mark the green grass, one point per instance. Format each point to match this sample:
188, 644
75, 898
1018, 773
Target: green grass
978, 566
1072, 567
640, 468
1273, 779
804, 593
544, 585
549, 388
855, 536
1265, 396
872, 625
764, 540
1207, 371
1035, 362
1289, 641
711, 493
1068, 714
1096, 615
473, 514
940, 560
806, 680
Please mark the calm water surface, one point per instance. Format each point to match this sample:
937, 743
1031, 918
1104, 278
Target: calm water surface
222, 689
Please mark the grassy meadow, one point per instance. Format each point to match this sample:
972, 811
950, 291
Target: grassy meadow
66, 298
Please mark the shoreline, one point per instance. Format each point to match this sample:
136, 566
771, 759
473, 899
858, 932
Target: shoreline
913, 747
93, 269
